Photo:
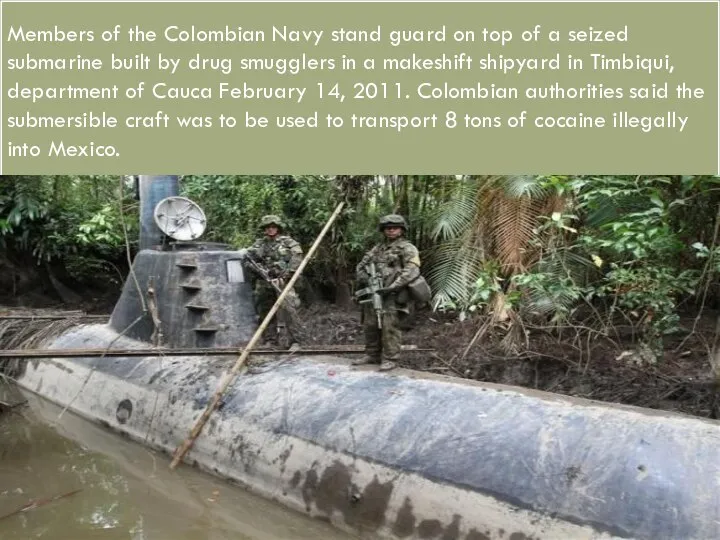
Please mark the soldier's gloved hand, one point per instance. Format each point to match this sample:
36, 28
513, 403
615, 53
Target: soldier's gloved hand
276, 282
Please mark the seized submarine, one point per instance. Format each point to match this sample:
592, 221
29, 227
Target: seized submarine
380, 455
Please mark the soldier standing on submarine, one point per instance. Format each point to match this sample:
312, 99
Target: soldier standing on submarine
278, 257
396, 263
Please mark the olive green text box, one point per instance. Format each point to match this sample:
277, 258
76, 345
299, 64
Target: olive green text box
360, 88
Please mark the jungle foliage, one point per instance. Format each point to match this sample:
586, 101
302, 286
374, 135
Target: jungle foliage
556, 251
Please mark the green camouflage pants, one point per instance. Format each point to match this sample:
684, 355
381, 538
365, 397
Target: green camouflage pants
284, 327
386, 343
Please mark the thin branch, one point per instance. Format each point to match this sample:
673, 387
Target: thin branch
127, 246
710, 261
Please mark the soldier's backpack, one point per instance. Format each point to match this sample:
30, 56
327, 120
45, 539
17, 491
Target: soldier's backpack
420, 290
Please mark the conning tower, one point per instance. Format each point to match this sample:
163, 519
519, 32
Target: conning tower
195, 291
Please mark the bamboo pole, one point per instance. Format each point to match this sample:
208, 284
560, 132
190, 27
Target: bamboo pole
40, 502
195, 432
50, 317
221, 351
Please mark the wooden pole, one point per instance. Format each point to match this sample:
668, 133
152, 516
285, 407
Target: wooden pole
228, 379
224, 351
51, 317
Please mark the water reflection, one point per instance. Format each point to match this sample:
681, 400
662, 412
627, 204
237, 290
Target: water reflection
127, 491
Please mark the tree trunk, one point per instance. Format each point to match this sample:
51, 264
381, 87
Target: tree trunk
351, 190
17, 278
714, 361
343, 297
65, 293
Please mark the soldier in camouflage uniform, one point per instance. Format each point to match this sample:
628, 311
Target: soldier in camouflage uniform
280, 255
397, 262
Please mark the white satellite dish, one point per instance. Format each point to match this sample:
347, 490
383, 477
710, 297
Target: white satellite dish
180, 218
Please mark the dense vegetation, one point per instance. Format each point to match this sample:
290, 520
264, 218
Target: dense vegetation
565, 254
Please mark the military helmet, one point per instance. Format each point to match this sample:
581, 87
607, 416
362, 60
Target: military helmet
266, 221
392, 220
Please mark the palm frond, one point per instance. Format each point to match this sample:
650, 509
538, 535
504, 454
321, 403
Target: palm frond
513, 226
455, 216
524, 186
455, 266
565, 263
543, 303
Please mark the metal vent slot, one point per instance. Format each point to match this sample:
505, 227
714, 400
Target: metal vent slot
195, 307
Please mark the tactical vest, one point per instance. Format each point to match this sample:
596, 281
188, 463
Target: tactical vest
389, 261
278, 253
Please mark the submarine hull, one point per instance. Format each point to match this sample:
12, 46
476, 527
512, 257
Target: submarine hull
403, 455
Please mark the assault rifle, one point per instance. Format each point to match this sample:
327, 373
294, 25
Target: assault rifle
263, 273
277, 284
372, 292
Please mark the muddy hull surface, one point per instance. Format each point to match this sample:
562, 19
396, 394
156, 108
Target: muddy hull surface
398, 456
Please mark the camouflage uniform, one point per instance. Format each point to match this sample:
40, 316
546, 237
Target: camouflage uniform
280, 256
397, 262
